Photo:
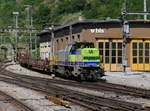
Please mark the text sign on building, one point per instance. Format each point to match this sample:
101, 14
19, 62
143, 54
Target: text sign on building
100, 30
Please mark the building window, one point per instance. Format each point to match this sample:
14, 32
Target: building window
78, 37
114, 52
107, 52
113, 60
147, 60
134, 60
146, 45
134, 45
134, 52
106, 60
113, 45
66, 40
140, 60
140, 45
101, 51
107, 45
147, 53
73, 37
119, 52
101, 44
111, 52
119, 60
57, 44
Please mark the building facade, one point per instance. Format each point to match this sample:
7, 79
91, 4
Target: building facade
107, 36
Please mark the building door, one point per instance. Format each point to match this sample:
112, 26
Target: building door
140, 55
147, 56
111, 54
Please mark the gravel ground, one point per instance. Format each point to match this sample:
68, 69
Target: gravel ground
135, 79
35, 100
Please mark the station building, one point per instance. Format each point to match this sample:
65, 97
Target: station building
107, 36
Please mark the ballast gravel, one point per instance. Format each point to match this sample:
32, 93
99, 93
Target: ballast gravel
135, 79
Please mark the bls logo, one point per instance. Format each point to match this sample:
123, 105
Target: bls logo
91, 51
100, 30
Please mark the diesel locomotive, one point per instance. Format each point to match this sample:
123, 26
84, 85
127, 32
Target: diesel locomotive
79, 60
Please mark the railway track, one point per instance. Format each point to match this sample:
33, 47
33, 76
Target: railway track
98, 86
95, 103
92, 102
11, 102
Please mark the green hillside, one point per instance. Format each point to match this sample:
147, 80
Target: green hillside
62, 11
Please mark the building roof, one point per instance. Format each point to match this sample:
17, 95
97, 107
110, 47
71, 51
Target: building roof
88, 21
48, 28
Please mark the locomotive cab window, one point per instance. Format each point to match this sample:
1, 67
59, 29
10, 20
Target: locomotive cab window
73, 50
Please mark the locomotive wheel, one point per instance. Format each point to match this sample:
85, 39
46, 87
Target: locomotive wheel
81, 77
67, 73
94, 77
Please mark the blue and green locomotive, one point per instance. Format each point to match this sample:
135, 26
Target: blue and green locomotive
79, 60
